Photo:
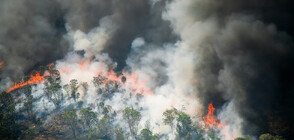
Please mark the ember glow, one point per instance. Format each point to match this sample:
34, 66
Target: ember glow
132, 80
111, 76
34, 79
84, 65
139, 86
1, 63
210, 119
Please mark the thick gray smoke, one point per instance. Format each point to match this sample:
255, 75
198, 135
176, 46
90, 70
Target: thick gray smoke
238, 58
32, 32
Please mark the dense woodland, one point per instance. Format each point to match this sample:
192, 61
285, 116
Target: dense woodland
77, 121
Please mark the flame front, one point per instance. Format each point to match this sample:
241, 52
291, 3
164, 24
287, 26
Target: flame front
138, 86
37, 78
210, 119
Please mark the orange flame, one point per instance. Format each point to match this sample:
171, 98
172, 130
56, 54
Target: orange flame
84, 64
138, 86
37, 78
1, 63
210, 119
50, 66
111, 77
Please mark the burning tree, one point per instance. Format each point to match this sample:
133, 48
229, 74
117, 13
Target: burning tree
52, 87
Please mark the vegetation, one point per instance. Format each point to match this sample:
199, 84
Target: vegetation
90, 121
9, 129
268, 136
52, 87
133, 118
71, 119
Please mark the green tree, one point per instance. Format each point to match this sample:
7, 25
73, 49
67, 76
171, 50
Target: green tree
184, 126
9, 129
119, 134
52, 87
88, 116
28, 102
102, 130
104, 126
72, 89
268, 136
70, 118
169, 117
147, 134
133, 118
97, 81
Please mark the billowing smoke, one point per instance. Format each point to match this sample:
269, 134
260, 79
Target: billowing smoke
31, 34
238, 58
184, 54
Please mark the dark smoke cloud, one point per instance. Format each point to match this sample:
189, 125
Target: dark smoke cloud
253, 56
31, 33
134, 18
246, 57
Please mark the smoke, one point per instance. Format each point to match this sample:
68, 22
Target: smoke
31, 34
238, 58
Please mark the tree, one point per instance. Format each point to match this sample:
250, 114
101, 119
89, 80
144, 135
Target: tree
169, 117
28, 102
184, 126
9, 129
88, 116
268, 136
146, 134
70, 118
72, 89
104, 126
52, 87
102, 130
133, 118
119, 134
97, 81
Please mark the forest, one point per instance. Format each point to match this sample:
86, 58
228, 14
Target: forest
76, 120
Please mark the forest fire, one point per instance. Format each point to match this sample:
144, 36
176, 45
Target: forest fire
111, 76
210, 119
138, 86
84, 64
37, 78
